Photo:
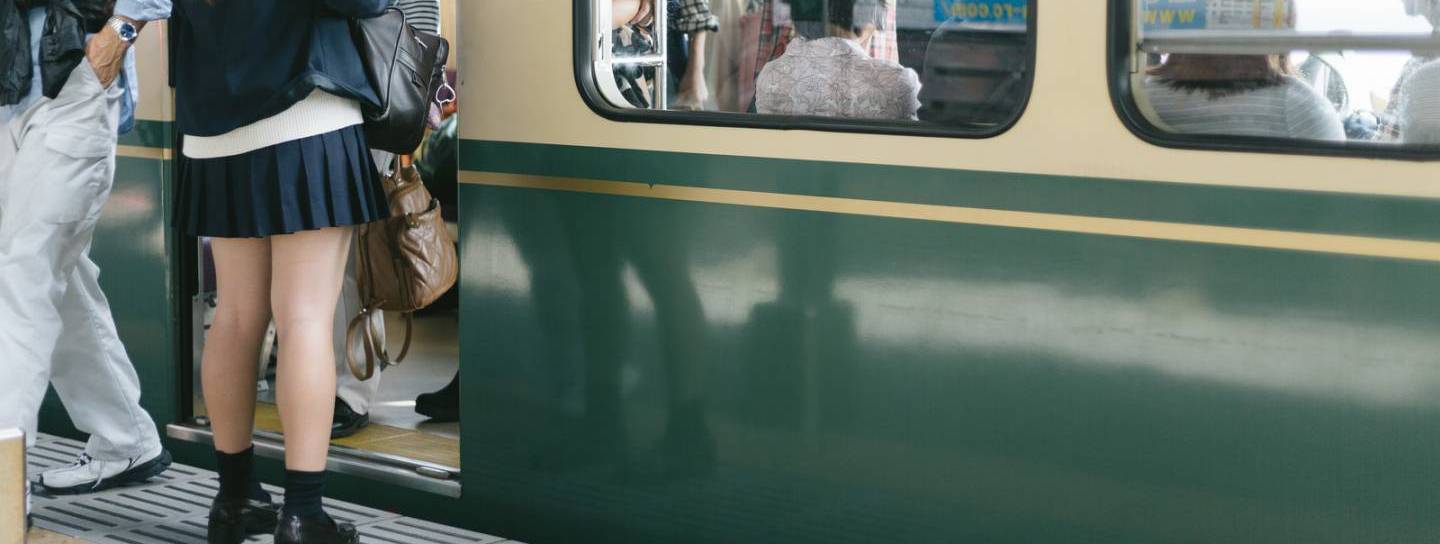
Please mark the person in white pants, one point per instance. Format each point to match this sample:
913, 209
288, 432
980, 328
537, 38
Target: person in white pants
352, 412
57, 164
353, 396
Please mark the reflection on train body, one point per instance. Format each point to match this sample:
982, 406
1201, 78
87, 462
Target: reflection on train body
834, 339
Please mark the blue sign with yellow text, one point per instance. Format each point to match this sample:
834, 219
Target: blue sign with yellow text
1174, 14
983, 11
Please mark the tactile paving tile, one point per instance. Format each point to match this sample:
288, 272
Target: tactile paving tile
172, 509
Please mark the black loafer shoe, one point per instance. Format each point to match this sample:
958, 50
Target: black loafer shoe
231, 521
347, 422
295, 529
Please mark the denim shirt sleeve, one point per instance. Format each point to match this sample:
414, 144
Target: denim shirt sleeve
138, 10
131, 83
143, 10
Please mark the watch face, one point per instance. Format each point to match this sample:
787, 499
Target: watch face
125, 30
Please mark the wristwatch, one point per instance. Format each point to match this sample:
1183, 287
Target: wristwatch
127, 31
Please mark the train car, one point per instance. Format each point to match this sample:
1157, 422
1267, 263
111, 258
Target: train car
1036, 307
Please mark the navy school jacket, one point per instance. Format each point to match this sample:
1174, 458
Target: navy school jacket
234, 62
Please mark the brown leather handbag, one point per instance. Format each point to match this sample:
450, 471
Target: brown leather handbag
403, 263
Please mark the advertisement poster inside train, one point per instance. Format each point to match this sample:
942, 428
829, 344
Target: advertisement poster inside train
983, 11
1216, 15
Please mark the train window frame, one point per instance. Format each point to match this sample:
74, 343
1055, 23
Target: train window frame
1122, 45
591, 94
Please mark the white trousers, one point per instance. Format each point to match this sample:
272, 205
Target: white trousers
358, 394
57, 166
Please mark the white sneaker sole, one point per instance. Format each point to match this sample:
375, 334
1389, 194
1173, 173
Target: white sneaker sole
137, 474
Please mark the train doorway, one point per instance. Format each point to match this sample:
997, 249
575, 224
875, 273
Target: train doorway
401, 426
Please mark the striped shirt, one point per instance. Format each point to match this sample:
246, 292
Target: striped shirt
1291, 109
424, 15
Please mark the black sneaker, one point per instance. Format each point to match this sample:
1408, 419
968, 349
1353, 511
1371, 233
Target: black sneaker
347, 421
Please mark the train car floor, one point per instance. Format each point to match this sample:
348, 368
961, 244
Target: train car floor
395, 428
380, 438
171, 509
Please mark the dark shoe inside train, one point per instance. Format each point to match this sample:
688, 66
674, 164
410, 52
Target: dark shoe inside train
442, 406
347, 421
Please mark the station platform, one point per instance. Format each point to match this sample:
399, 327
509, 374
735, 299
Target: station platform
172, 509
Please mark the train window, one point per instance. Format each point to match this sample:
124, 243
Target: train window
952, 67
1321, 75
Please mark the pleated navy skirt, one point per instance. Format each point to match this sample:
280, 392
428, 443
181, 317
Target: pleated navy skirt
307, 184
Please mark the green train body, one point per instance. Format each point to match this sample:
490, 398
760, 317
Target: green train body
688, 333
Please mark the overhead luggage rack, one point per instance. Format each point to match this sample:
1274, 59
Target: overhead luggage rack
1264, 42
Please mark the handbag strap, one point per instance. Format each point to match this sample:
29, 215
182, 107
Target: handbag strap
364, 323
409, 330
355, 328
375, 348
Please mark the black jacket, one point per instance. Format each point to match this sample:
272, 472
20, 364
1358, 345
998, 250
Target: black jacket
62, 47
240, 61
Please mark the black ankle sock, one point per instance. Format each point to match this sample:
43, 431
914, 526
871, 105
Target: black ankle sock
236, 473
258, 493
303, 491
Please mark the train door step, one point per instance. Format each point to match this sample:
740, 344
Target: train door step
172, 509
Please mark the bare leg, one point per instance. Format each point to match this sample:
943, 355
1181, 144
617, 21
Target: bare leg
227, 372
307, 271
694, 92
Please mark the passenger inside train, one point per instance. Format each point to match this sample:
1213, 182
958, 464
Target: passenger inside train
972, 60
1253, 95
1420, 117
1239, 95
835, 76
1323, 95
1417, 93
948, 64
